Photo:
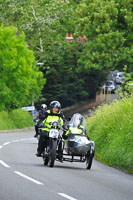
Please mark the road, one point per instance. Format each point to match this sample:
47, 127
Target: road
24, 177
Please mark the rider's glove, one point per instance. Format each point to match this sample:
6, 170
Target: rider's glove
65, 127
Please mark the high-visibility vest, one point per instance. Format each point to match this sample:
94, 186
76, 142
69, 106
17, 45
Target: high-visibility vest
51, 118
74, 130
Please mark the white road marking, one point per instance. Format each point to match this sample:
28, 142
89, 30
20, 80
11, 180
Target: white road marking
6, 143
23, 139
29, 178
1, 147
32, 139
66, 196
15, 141
4, 164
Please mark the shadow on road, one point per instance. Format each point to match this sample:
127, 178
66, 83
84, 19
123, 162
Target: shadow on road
69, 167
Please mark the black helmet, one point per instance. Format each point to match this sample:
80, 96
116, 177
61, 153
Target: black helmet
44, 106
55, 104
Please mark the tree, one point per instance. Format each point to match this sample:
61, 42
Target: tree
64, 82
74, 71
42, 21
20, 80
108, 26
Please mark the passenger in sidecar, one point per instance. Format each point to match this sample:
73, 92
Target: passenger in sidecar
76, 126
76, 138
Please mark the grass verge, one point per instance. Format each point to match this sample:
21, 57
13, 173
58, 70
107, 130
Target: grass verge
111, 127
15, 119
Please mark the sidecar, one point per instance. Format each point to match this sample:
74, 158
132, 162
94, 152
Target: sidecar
77, 144
77, 148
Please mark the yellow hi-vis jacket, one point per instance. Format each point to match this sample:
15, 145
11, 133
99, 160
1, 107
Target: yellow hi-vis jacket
51, 118
75, 130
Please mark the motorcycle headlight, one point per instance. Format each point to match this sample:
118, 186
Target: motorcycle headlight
55, 124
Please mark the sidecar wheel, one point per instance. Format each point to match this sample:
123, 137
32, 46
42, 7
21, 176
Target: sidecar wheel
89, 159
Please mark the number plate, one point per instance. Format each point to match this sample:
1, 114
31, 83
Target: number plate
53, 133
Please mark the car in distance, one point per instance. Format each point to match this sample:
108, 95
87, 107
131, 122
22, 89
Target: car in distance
109, 87
119, 78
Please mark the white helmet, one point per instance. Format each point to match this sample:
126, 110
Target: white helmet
77, 120
44, 106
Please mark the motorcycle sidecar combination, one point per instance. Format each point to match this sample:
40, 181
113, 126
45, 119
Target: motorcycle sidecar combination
75, 148
78, 147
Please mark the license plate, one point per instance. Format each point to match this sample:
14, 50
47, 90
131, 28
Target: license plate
53, 133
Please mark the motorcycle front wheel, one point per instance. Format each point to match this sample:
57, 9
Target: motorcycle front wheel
52, 152
46, 160
45, 157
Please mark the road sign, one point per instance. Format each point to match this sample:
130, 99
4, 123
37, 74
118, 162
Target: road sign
28, 108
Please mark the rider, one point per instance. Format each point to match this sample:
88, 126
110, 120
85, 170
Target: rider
76, 126
40, 115
54, 114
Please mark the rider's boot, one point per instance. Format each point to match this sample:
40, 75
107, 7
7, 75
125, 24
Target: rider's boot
39, 154
35, 135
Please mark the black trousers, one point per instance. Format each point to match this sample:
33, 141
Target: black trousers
42, 141
37, 126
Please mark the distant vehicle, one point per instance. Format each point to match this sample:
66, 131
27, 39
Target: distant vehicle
119, 78
109, 86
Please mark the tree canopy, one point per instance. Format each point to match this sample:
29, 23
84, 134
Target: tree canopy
74, 70
108, 27
20, 80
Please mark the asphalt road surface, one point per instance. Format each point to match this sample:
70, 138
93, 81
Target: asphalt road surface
24, 177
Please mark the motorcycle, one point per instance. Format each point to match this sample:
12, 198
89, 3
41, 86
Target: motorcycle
53, 145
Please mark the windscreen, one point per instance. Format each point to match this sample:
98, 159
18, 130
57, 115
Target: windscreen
77, 120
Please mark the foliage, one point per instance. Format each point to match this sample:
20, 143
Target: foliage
108, 27
111, 127
20, 82
42, 21
74, 71
127, 85
15, 119
20, 118
5, 122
